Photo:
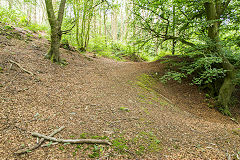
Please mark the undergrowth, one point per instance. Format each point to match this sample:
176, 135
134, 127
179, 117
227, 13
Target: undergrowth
204, 70
19, 19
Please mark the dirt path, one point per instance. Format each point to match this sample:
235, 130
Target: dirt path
90, 96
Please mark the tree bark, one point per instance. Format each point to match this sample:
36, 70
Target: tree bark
56, 33
174, 26
105, 26
213, 12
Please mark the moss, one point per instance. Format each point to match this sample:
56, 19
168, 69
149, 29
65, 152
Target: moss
124, 109
145, 81
236, 131
145, 110
120, 144
147, 142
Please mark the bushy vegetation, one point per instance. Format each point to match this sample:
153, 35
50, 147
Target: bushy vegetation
19, 19
204, 70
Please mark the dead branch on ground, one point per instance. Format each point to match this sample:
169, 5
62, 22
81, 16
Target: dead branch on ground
51, 138
72, 141
40, 142
21, 67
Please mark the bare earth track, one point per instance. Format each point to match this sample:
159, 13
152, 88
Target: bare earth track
86, 96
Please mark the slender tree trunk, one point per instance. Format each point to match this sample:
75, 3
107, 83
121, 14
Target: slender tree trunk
76, 10
114, 25
100, 22
105, 26
126, 23
56, 33
174, 25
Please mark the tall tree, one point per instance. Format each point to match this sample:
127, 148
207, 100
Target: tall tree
56, 32
214, 11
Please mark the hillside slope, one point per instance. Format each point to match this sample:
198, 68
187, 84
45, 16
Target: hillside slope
95, 97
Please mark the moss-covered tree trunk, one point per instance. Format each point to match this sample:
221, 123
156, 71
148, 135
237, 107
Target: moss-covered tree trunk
213, 11
228, 85
56, 33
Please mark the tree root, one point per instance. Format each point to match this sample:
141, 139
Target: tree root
21, 67
72, 141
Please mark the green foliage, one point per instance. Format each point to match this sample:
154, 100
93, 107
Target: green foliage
83, 135
19, 19
97, 150
61, 148
203, 69
224, 111
9, 16
120, 144
147, 142
110, 49
177, 76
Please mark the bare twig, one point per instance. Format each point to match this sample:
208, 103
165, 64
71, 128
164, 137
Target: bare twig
40, 142
49, 144
72, 141
21, 67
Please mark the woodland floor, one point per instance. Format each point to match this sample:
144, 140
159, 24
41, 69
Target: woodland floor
89, 97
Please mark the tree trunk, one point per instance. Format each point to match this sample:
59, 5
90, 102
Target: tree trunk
105, 26
114, 26
174, 26
100, 22
56, 33
227, 88
54, 53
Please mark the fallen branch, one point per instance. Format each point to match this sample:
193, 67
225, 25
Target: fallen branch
21, 67
49, 144
40, 142
72, 141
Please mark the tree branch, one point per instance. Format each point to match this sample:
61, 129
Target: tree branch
61, 12
181, 40
73, 141
146, 8
21, 67
40, 142
67, 31
147, 26
192, 18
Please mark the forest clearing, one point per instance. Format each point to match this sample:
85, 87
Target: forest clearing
132, 79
